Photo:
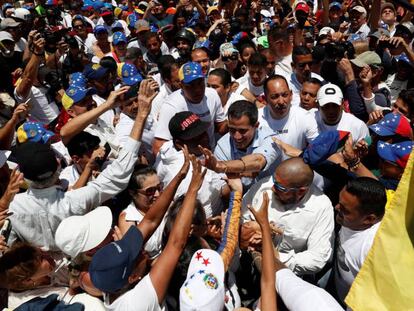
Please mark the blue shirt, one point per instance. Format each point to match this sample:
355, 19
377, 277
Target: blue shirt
262, 144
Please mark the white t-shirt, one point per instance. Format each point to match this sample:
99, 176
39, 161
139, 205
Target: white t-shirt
124, 127
299, 295
208, 110
284, 66
231, 100
245, 82
142, 297
169, 161
153, 245
69, 176
353, 247
348, 122
156, 105
41, 109
298, 128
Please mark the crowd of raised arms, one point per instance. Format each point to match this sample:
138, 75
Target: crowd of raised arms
201, 155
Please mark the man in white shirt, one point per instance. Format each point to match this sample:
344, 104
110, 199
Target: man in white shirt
256, 75
292, 125
220, 80
281, 47
331, 116
194, 97
298, 208
360, 210
188, 129
302, 71
309, 93
358, 26
168, 69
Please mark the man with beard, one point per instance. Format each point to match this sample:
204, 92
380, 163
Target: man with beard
301, 212
302, 71
247, 148
10, 62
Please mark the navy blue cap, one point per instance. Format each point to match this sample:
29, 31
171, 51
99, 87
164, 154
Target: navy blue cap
94, 71
113, 264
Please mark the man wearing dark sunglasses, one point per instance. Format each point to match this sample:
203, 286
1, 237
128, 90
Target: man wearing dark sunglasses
301, 209
302, 61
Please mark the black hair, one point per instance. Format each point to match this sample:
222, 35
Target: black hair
278, 33
108, 62
205, 50
165, 64
150, 35
300, 50
82, 143
245, 46
257, 59
199, 217
313, 81
138, 175
80, 18
370, 194
272, 78
224, 75
407, 96
244, 108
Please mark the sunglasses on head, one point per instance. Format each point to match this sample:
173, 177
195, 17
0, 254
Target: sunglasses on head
281, 188
150, 191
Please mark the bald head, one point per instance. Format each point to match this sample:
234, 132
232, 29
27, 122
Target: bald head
295, 172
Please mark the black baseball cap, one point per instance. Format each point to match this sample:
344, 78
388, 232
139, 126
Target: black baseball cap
186, 125
36, 161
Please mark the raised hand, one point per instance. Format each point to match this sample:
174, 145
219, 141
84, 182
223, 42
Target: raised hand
261, 215
198, 173
210, 160
184, 169
114, 95
147, 92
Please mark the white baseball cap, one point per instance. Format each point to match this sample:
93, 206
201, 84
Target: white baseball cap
22, 14
326, 30
360, 9
77, 234
329, 93
203, 290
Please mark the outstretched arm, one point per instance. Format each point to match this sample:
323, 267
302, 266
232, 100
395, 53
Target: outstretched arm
164, 267
268, 300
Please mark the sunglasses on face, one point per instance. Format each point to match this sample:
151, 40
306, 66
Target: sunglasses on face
227, 58
150, 191
303, 65
281, 188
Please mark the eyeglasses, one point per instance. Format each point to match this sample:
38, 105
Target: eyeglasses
303, 65
150, 191
281, 188
228, 58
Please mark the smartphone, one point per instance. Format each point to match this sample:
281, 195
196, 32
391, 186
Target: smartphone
101, 161
6, 229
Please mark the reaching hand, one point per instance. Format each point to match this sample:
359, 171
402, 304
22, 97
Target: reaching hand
349, 153
261, 214
210, 160
361, 148
375, 117
234, 182
21, 112
366, 75
147, 92
184, 169
198, 173
16, 181
287, 149
39, 44
112, 101
97, 154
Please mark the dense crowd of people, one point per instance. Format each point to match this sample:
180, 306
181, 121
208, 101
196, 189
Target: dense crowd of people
198, 155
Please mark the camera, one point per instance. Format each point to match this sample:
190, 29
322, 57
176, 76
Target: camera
337, 51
